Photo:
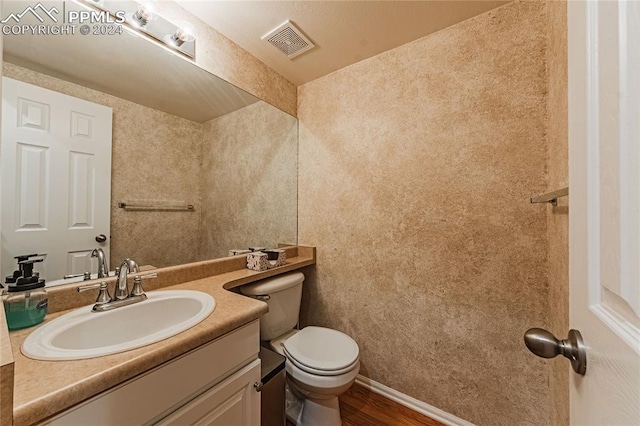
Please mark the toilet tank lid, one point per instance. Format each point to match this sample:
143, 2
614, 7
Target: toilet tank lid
272, 285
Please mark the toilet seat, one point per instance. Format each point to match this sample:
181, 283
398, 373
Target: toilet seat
322, 351
317, 372
321, 384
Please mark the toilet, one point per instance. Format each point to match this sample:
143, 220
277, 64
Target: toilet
321, 363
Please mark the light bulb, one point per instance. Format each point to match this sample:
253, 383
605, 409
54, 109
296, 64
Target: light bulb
184, 33
141, 17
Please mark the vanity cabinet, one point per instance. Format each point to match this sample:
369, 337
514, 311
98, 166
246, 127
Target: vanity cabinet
210, 385
233, 402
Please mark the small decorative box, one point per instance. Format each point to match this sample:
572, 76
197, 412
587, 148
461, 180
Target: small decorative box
265, 260
258, 261
277, 257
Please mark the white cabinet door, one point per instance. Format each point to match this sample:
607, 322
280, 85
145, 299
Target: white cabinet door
234, 402
55, 163
151, 396
604, 214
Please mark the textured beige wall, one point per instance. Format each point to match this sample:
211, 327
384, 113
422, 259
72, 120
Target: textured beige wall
6, 357
155, 156
415, 171
558, 217
248, 180
222, 57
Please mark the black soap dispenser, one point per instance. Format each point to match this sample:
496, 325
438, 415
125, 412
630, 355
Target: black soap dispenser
26, 303
11, 279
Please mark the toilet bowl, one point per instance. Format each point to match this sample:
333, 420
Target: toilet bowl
321, 363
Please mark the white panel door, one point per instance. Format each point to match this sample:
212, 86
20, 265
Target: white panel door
55, 162
604, 217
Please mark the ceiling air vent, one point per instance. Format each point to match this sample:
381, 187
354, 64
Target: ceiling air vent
288, 39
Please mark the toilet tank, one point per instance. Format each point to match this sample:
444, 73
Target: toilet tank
285, 293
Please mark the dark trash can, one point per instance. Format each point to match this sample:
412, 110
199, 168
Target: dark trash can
272, 396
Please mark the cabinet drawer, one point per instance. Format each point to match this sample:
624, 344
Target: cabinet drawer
152, 395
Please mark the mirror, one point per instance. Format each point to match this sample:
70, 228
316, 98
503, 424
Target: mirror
180, 136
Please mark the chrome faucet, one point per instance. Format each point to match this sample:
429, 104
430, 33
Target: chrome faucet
121, 297
129, 266
103, 267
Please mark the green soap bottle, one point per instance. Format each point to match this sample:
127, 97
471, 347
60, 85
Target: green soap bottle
26, 301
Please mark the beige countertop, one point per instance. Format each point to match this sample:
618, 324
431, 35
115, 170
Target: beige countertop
44, 388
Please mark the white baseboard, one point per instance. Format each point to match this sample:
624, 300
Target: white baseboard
412, 403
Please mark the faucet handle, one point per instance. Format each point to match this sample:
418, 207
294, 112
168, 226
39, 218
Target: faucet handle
103, 296
137, 289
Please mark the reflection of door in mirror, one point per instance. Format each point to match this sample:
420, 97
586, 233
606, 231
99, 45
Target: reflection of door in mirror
56, 178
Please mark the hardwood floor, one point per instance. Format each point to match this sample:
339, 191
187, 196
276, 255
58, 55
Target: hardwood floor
361, 407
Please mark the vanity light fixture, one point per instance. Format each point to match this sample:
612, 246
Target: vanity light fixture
143, 19
183, 34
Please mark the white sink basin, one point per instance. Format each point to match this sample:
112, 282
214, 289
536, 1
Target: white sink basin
85, 334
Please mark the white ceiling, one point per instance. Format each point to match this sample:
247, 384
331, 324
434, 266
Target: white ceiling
344, 32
